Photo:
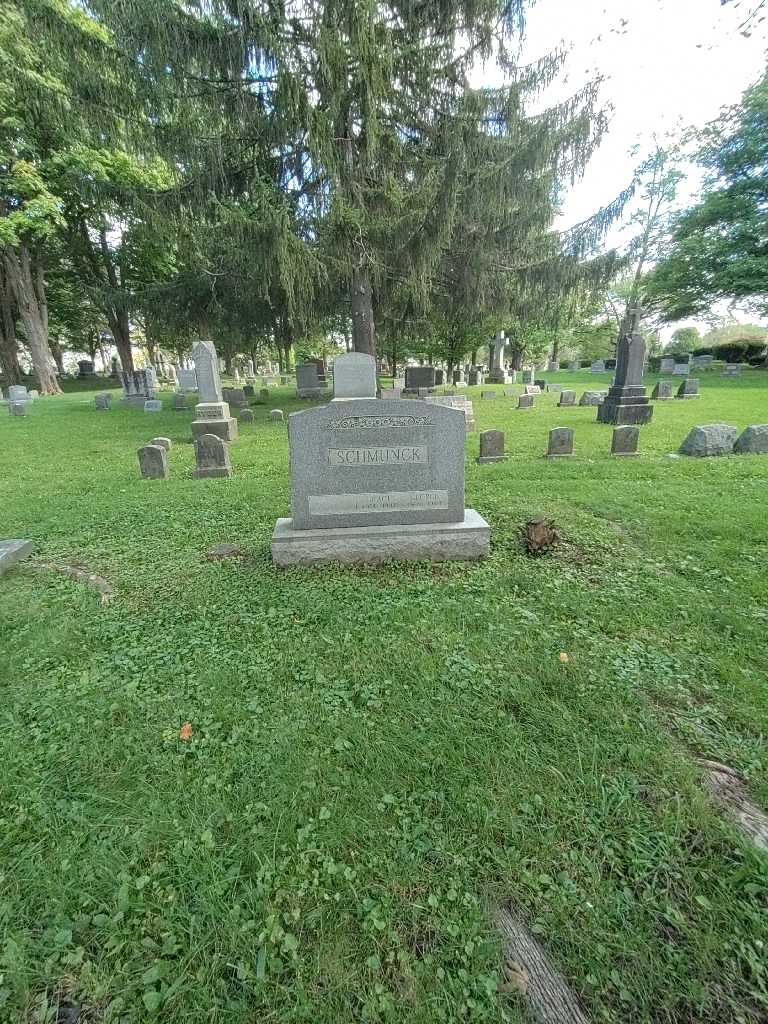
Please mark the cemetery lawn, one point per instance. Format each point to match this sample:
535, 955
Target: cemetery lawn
376, 758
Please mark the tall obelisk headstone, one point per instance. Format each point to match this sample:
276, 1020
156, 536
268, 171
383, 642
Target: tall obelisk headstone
498, 374
211, 412
626, 401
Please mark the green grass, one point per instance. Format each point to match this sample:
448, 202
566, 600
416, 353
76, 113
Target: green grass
381, 755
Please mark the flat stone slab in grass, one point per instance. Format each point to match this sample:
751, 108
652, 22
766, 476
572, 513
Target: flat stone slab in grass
468, 540
13, 551
710, 439
753, 440
153, 405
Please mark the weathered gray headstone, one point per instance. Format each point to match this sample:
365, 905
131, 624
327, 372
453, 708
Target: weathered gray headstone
625, 440
553, 366
710, 439
439, 377
560, 442
153, 405
498, 373
460, 402
276, 415
179, 402
574, 366
308, 383
390, 393
492, 447
103, 401
732, 370
162, 442
667, 365
488, 394
567, 398
532, 389
458, 377
753, 440
626, 401
153, 462
33, 394
689, 388
16, 408
207, 371
187, 378
17, 393
249, 391
246, 416
681, 369
373, 480
555, 389
12, 551
475, 377
592, 398
264, 394
214, 418
663, 390
212, 457
525, 402
598, 366
237, 398
528, 376
703, 362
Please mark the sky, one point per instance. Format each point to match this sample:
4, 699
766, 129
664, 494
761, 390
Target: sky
665, 65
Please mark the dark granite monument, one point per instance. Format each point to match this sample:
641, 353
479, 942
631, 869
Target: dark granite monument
626, 401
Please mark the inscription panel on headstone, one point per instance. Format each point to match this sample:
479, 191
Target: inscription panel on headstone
376, 462
401, 455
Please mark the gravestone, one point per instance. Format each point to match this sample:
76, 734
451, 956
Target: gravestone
488, 394
18, 393
681, 369
598, 366
731, 370
264, 394
390, 393
187, 379
710, 439
574, 366
419, 377
492, 447
626, 401
246, 416
567, 398
179, 402
153, 405
663, 390
541, 384
528, 376
212, 457
153, 462
610, 364
703, 362
103, 401
276, 416
162, 442
592, 398
354, 376
560, 443
525, 402
237, 398
553, 366
689, 388
498, 374
33, 394
532, 389
212, 415
460, 402
138, 386
249, 391
439, 377
13, 551
308, 384
375, 480
753, 440
475, 377
85, 368
19, 408
458, 377
667, 365
625, 440
555, 389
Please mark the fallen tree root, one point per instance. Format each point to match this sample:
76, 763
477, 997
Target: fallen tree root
729, 790
529, 971
91, 579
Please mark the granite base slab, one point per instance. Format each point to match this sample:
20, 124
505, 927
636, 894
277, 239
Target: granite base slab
13, 551
624, 415
483, 460
465, 541
225, 429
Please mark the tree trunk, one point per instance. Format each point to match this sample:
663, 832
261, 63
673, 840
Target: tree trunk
121, 333
58, 354
556, 350
363, 331
9, 350
28, 286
